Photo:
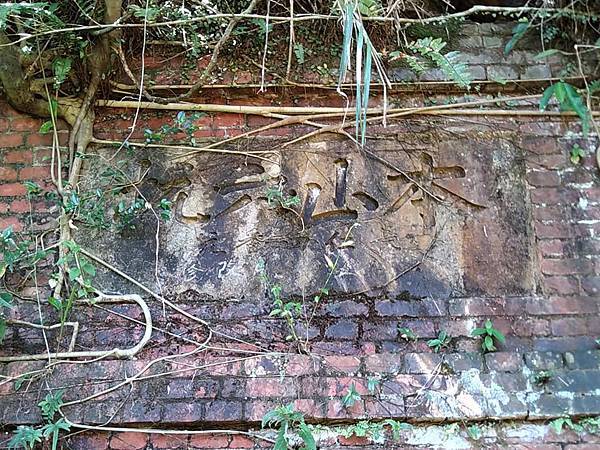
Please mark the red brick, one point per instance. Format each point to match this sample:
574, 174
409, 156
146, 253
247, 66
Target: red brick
8, 174
530, 327
3, 207
384, 363
168, 441
12, 190
227, 120
562, 305
19, 156
129, 441
550, 213
591, 285
302, 365
552, 162
309, 407
560, 285
346, 364
353, 440
552, 247
89, 441
19, 206
332, 387
558, 231
34, 173
554, 196
335, 409
209, 133
569, 326
10, 140
579, 176
569, 266
40, 139
504, 361
25, 124
209, 441
543, 178
238, 441
541, 146
256, 409
269, 387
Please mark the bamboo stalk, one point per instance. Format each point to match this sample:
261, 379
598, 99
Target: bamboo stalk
398, 85
325, 112
289, 110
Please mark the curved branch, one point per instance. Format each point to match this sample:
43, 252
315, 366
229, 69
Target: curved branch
116, 352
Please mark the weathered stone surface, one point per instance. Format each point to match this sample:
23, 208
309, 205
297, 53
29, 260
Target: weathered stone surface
223, 224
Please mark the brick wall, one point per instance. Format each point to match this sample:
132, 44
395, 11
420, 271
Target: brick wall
353, 339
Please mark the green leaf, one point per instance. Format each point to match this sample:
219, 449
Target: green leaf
51, 404
478, 332
397, 427
61, 68
351, 397
299, 52
46, 127
557, 424
6, 300
498, 335
56, 303
372, 384
488, 344
517, 33
560, 93
307, 436
474, 432
281, 442
576, 103
270, 418
2, 329
89, 269
74, 273
546, 96
25, 437
545, 54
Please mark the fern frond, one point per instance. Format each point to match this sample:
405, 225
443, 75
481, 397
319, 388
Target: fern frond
594, 87
416, 64
449, 63
453, 67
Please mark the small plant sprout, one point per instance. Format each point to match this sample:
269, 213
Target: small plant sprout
27, 437
490, 336
558, 424
407, 334
287, 419
474, 432
5, 303
442, 341
165, 209
372, 384
276, 197
351, 397
576, 154
542, 377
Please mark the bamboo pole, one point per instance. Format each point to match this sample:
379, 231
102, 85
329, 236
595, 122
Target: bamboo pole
324, 112
400, 86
